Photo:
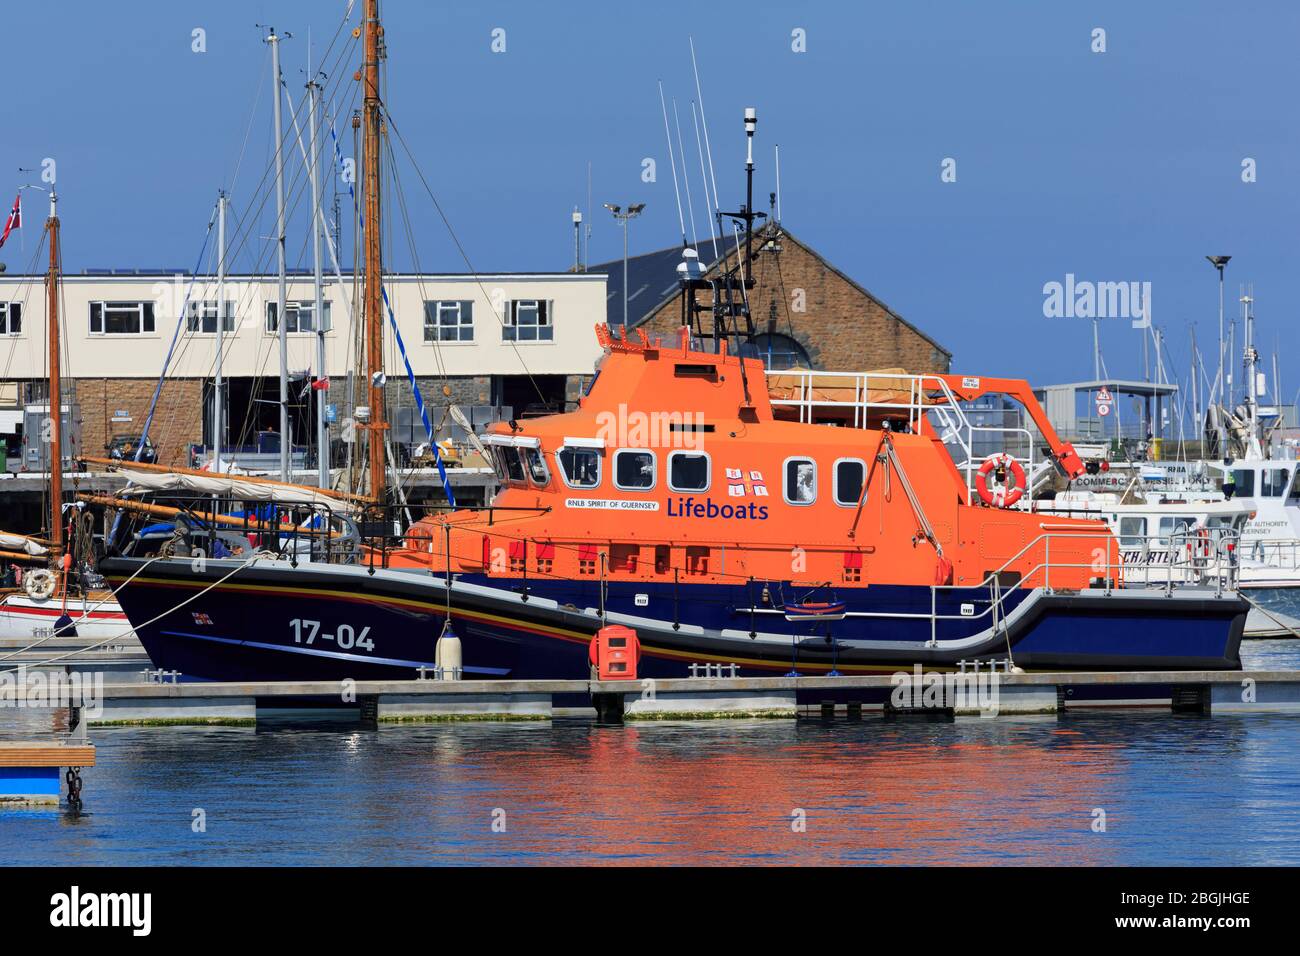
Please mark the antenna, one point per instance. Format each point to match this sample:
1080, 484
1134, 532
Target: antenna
586, 252
681, 221
704, 122
777, 150
699, 148
686, 177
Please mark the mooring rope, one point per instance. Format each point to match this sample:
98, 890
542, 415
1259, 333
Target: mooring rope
117, 637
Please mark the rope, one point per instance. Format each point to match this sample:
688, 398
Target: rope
917, 510
419, 401
194, 597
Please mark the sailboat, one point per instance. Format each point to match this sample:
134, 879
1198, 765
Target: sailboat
56, 602
701, 535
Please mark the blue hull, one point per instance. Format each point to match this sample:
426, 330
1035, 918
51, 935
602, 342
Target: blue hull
274, 622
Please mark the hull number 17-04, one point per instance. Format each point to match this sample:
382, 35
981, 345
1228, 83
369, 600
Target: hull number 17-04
345, 638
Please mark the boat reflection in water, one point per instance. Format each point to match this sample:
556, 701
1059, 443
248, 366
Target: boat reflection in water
1176, 790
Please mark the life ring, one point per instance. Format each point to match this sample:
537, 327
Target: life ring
39, 583
1001, 498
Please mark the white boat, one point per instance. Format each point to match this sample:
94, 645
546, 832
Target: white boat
95, 619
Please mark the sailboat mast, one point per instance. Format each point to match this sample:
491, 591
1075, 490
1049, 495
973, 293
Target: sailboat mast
55, 399
282, 320
217, 413
374, 261
322, 433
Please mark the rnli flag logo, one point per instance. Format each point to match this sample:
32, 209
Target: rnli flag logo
201, 618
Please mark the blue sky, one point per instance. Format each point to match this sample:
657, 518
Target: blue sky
1115, 166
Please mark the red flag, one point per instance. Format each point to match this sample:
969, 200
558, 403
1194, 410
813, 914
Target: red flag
321, 384
15, 220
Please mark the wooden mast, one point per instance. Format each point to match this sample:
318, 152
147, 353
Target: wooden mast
55, 405
374, 317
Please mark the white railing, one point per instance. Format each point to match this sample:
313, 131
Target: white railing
1192, 559
928, 396
1281, 554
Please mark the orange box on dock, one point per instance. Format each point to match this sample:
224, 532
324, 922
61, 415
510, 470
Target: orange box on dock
615, 651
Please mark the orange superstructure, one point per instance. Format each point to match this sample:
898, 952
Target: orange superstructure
677, 465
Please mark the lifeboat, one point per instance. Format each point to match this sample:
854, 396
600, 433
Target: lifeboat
681, 499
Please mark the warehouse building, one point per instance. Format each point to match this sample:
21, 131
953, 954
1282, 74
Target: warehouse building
807, 313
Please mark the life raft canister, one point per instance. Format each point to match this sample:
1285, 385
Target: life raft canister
1001, 498
39, 583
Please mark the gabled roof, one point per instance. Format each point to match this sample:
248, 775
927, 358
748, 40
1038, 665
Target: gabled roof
652, 280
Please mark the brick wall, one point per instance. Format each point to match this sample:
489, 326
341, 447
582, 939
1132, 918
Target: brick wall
177, 421
841, 328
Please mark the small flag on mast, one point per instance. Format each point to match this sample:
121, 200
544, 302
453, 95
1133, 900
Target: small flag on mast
15, 220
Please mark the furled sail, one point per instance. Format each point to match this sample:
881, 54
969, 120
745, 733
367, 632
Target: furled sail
20, 542
236, 486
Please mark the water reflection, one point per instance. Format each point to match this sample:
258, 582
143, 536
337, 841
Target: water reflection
1174, 789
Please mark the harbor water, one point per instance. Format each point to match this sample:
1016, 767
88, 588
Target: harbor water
1138, 788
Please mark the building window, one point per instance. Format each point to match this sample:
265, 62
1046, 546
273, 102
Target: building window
121, 318
579, 466
528, 320
850, 473
449, 321
201, 317
11, 318
781, 352
800, 481
688, 471
301, 317
634, 470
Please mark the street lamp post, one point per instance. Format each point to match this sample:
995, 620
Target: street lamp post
623, 215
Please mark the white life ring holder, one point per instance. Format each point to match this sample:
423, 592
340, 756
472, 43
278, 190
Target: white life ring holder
39, 583
1000, 498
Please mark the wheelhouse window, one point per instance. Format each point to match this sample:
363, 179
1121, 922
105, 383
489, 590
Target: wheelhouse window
449, 320
201, 317
1174, 527
1273, 482
508, 465
800, 481
1245, 482
528, 320
689, 471
634, 470
1132, 532
579, 466
299, 317
121, 318
1295, 486
850, 473
11, 318
535, 465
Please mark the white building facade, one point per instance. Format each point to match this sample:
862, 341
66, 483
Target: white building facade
513, 343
